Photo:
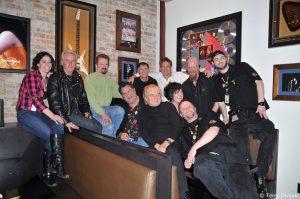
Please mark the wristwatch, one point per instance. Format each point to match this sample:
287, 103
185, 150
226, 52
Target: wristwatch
261, 104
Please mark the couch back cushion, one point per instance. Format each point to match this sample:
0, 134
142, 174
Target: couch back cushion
97, 173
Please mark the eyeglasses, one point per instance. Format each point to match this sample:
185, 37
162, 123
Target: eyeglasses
69, 61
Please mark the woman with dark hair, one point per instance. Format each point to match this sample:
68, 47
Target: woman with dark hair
173, 93
35, 117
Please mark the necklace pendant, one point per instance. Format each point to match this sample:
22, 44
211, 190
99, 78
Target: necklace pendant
194, 137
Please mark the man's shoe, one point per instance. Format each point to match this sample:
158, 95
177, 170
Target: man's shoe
187, 195
261, 184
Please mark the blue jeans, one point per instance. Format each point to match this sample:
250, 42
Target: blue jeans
39, 125
83, 122
140, 142
116, 113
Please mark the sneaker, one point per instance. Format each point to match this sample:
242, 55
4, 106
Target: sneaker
261, 184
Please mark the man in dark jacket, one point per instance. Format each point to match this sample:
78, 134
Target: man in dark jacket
67, 97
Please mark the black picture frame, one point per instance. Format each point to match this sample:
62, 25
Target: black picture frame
128, 32
14, 58
222, 33
284, 23
127, 67
286, 82
76, 29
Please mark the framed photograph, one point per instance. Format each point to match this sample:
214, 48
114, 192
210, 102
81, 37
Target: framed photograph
128, 32
203, 38
286, 82
76, 30
14, 44
284, 22
127, 67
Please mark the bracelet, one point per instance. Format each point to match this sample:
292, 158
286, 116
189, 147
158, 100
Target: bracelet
261, 104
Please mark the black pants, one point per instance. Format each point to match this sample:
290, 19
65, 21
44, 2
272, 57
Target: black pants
225, 180
249, 121
177, 161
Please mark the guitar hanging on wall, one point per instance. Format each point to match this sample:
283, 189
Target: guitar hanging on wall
80, 61
291, 14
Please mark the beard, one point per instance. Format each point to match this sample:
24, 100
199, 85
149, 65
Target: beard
224, 64
193, 77
103, 71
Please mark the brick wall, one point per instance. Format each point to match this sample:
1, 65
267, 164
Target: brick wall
42, 15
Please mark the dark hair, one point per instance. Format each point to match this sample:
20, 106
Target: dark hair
165, 59
104, 56
217, 52
171, 89
123, 84
38, 58
142, 63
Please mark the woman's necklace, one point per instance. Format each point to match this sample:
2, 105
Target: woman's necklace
194, 133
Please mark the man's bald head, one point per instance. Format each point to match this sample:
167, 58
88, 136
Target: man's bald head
152, 95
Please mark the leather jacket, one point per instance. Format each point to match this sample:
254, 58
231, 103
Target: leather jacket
66, 94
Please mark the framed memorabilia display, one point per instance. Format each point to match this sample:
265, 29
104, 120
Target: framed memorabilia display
127, 67
203, 38
76, 30
286, 82
14, 44
284, 22
128, 32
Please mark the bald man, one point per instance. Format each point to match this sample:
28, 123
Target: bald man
160, 125
199, 89
218, 162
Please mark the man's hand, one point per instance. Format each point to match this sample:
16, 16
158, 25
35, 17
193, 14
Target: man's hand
131, 79
162, 147
105, 119
190, 160
225, 120
88, 115
262, 111
71, 126
124, 136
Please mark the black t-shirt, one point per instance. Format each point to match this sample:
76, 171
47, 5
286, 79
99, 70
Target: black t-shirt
139, 85
202, 95
156, 124
240, 82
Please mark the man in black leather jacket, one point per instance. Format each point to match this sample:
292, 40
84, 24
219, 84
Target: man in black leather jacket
67, 97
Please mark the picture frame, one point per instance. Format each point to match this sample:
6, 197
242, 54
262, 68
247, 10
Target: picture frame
127, 67
284, 23
76, 30
286, 82
15, 48
202, 38
128, 32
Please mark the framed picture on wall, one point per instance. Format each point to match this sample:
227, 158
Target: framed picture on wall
203, 38
128, 32
14, 44
76, 30
127, 67
286, 82
284, 22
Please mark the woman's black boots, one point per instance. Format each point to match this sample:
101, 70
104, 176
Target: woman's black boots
47, 175
57, 143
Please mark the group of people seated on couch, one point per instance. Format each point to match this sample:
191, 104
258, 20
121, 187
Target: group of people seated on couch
184, 124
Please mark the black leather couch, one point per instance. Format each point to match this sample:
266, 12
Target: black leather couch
20, 157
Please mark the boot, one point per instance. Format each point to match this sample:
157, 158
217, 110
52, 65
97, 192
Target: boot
47, 175
57, 143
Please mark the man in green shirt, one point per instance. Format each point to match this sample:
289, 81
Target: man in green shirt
100, 89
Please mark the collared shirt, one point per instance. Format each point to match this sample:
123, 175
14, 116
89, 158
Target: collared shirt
178, 77
31, 92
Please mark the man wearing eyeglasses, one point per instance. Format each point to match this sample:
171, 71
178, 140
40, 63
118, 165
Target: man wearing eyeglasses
242, 89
